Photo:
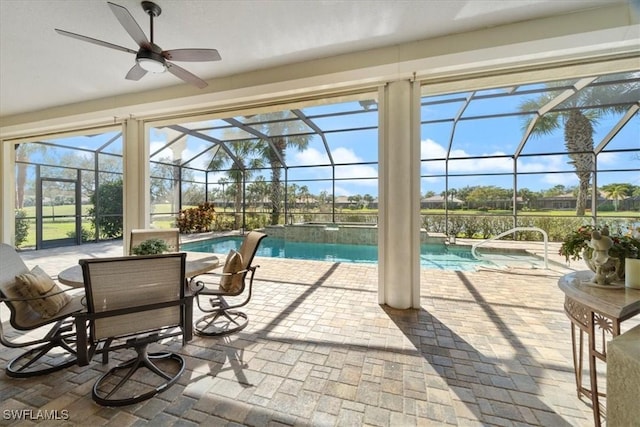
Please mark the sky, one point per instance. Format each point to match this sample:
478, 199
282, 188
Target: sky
488, 132
490, 142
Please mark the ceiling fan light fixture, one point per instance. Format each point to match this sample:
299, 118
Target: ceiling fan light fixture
151, 61
150, 57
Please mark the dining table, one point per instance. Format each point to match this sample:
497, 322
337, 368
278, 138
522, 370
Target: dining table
197, 263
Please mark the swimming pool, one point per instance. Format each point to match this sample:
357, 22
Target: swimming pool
434, 256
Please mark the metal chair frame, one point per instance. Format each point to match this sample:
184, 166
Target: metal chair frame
221, 317
93, 343
60, 334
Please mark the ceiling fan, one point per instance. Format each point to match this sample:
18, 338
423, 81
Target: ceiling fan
150, 57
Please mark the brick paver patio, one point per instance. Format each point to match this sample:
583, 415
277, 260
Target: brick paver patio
485, 348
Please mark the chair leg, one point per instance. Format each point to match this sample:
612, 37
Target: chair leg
103, 393
31, 362
220, 323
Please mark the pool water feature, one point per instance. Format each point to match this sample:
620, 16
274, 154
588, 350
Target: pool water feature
433, 256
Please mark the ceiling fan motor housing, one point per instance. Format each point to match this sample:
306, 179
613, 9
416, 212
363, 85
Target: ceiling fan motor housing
151, 8
152, 59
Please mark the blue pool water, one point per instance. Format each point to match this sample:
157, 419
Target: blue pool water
432, 256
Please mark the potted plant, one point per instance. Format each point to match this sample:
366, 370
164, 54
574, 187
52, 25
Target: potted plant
576, 245
151, 247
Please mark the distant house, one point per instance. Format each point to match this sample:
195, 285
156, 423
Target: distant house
630, 204
504, 203
342, 202
560, 202
222, 203
437, 202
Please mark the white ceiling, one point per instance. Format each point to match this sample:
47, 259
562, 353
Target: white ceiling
40, 69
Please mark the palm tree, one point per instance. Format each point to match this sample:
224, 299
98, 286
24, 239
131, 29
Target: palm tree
323, 201
257, 191
616, 192
283, 130
243, 167
578, 115
293, 195
368, 199
355, 201
222, 182
305, 196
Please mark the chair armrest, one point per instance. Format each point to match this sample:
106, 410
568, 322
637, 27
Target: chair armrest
198, 286
3, 299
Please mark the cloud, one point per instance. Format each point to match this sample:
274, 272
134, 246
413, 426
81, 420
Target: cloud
352, 171
429, 149
608, 158
340, 191
346, 155
541, 164
568, 180
311, 156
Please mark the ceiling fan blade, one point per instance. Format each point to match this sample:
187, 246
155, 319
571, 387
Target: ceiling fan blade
95, 41
136, 73
185, 75
129, 24
192, 55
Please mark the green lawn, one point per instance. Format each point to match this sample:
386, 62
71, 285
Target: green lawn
50, 231
61, 210
166, 208
62, 227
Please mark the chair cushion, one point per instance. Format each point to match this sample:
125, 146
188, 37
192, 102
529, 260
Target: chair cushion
37, 283
230, 281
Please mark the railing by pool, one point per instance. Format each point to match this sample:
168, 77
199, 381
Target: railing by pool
544, 234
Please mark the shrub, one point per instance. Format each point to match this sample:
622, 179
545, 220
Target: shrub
22, 226
486, 226
106, 215
456, 224
87, 235
225, 222
150, 247
196, 220
471, 227
256, 220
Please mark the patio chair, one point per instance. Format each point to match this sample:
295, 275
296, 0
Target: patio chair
171, 236
132, 302
221, 316
42, 310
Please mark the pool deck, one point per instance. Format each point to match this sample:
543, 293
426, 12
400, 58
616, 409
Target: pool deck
489, 347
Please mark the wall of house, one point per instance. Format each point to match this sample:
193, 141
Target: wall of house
580, 37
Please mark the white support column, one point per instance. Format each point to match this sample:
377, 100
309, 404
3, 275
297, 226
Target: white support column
399, 196
136, 195
7, 192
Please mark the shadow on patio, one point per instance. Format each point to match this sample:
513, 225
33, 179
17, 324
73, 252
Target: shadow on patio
486, 348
